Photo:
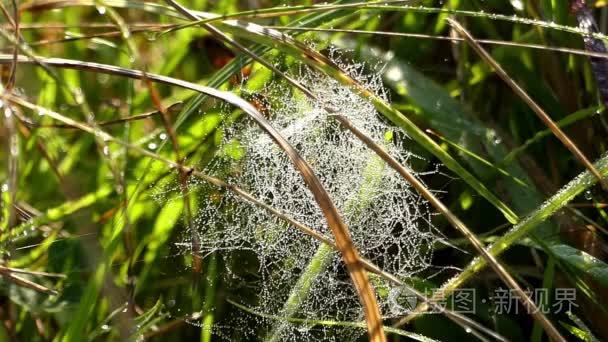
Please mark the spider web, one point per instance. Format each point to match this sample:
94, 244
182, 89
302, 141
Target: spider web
389, 222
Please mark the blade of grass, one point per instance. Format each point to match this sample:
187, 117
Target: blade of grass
567, 121
183, 177
77, 98
477, 157
15, 21
172, 109
9, 276
58, 213
183, 182
528, 100
7, 15
70, 87
208, 314
123, 215
34, 273
12, 144
601, 55
527, 225
301, 290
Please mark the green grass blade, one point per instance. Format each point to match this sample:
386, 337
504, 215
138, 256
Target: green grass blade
530, 222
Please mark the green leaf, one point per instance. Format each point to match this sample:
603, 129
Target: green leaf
530, 222
146, 320
583, 262
577, 332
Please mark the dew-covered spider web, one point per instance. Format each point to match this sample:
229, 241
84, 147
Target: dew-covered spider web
389, 222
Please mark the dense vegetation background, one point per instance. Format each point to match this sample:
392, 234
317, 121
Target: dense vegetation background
105, 234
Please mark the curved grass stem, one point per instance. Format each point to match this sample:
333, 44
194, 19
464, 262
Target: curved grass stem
338, 227
519, 91
460, 226
368, 265
527, 225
